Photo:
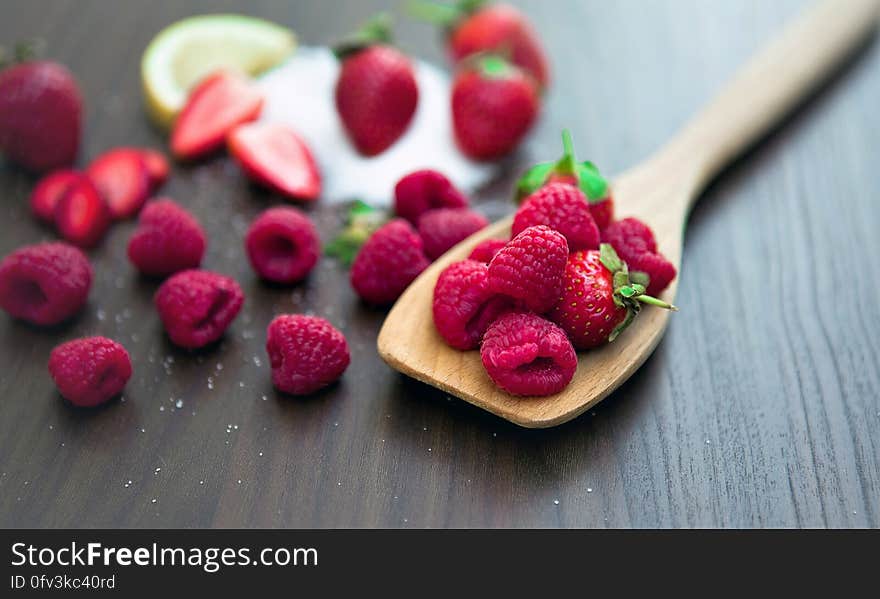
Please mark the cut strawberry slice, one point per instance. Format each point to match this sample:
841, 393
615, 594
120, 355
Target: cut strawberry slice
219, 103
157, 167
274, 155
122, 178
82, 216
49, 190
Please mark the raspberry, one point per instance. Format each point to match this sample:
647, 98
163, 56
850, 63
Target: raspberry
486, 250
387, 263
634, 242
527, 355
603, 212
441, 229
425, 190
562, 207
168, 239
307, 353
630, 234
196, 306
463, 305
531, 268
282, 245
90, 371
45, 283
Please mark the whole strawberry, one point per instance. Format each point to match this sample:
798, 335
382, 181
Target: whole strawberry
583, 175
40, 115
476, 26
494, 104
598, 299
376, 93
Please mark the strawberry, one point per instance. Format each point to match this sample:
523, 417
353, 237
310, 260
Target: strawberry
123, 179
49, 190
214, 108
599, 299
40, 115
274, 155
473, 27
157, 167
376, 93
584, 175
493, 106
81, 215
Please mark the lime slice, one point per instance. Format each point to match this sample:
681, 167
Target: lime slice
184, 52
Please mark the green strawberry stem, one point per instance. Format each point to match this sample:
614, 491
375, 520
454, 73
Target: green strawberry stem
441, 13
647, 299
361, 222
376, 30
588, 178
23, 51
566, 165
627, 294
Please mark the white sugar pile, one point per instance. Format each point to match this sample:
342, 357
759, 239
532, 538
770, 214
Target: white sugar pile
300, 93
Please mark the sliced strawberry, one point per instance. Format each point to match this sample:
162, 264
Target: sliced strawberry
81, 215
157, 167
219, 103
273, 154
49, 190
122, 177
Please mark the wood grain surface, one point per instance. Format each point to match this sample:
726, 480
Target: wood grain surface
759, 408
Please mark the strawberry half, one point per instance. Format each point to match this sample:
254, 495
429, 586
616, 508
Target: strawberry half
81, 215
216, 106
376, 93
274, 155
48, 192
157, 167
122, 178
583, 175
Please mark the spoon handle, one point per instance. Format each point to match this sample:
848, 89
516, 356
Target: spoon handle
765, 89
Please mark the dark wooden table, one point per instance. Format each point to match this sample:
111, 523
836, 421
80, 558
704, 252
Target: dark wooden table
760, 407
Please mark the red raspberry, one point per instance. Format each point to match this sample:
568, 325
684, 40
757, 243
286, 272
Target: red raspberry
441, 229
527, 355
45, 283
49, 190
634, 242
387, 263
531, 268
603, 212
90, 371
486, 250
168, 239
463, 305
562, 207
282, 245
307, 353
631, 234
196, 306
425, 190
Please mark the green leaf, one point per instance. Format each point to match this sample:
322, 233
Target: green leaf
639, 277
533, 179
593, 184
609, 258
362, 221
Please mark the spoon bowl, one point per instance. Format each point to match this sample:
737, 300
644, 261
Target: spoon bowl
659, 192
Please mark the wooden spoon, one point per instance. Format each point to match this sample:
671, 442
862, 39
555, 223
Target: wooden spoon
659, 191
